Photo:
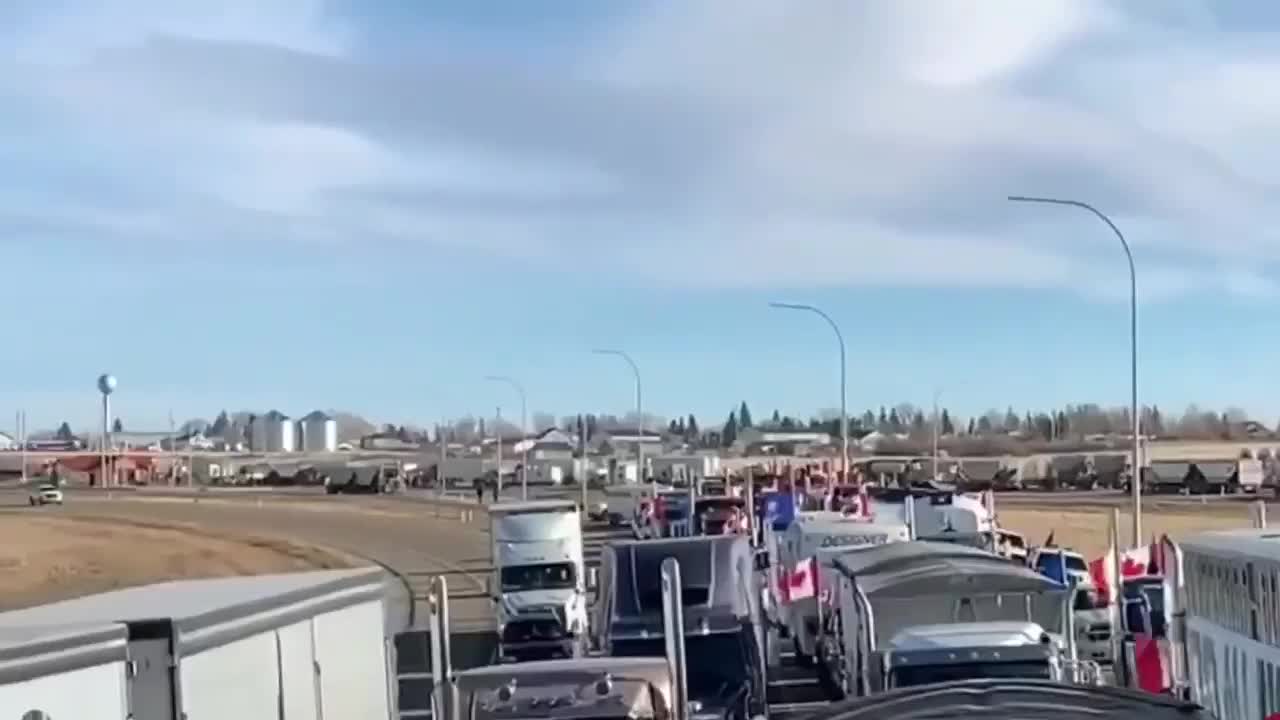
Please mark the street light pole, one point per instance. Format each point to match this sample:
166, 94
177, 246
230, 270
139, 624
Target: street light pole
844, 412
635, 370
524, 431
1135, 481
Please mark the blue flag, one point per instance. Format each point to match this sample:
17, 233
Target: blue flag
779, 510
1053, 566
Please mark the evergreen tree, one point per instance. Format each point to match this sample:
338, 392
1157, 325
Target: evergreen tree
64, 432
947, 427
220, 424
895, 422
117, 426
882, 422
972, 430
730, 432
691, 428
744, 416
917, 421
776, 420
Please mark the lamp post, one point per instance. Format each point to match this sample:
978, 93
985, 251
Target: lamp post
844, 413
937, 419
635, 370
524, 431
1135, 481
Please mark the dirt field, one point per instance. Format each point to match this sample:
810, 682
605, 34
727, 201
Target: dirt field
1085, 529
50, 558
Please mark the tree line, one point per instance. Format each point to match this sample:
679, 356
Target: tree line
1068, 422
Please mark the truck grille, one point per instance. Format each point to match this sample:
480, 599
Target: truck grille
531, 630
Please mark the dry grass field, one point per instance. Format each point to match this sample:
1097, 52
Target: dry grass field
51, 558
1085, 529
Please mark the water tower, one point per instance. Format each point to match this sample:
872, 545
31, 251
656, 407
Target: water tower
106, 386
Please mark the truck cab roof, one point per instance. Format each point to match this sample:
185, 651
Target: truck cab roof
533, 506
574, 688
1001, 698
967, 635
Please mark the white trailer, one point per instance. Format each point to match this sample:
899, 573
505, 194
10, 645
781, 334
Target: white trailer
77, 671
308, 645
1222, 598
823, 535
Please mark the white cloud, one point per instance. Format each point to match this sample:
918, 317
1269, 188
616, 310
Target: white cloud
777, 144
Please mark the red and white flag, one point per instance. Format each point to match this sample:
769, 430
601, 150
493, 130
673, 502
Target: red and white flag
1136, 562
802, 581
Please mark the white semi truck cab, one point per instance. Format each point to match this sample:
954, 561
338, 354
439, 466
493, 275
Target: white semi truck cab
929, 654
538, 585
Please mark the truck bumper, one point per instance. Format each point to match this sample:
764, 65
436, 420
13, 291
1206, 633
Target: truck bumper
568, 647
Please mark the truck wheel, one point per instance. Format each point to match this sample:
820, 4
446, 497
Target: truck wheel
830, 688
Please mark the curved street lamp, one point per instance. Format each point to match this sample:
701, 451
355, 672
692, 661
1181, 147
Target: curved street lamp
635, 371
844, 413
1135, 480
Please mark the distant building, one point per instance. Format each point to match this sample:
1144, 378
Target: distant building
552, 444
626, 443
387, 441
318, 432
7, 442
758, 441
273, 432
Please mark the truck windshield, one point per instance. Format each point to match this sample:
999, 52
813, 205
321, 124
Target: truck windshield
548, 576
930, 674
720, 666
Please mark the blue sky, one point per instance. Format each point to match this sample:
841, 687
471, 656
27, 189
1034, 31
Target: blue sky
370, 206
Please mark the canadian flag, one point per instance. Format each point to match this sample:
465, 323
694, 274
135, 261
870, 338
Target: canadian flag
802, 581
1133, 563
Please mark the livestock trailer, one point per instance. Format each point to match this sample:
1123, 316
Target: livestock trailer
72, 671
306, 645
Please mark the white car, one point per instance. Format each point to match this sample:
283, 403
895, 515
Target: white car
1093, 624
45, 495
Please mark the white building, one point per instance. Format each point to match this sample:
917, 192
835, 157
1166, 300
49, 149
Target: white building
273, 432
7, 442
318, 433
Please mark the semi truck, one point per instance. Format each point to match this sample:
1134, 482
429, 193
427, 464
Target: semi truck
538, 582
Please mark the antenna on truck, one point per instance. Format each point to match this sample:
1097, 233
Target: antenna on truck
673, 636
442, 692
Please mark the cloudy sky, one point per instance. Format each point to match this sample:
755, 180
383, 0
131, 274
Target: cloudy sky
370, 205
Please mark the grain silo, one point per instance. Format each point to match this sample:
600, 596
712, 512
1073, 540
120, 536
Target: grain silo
318, 432
277, 432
